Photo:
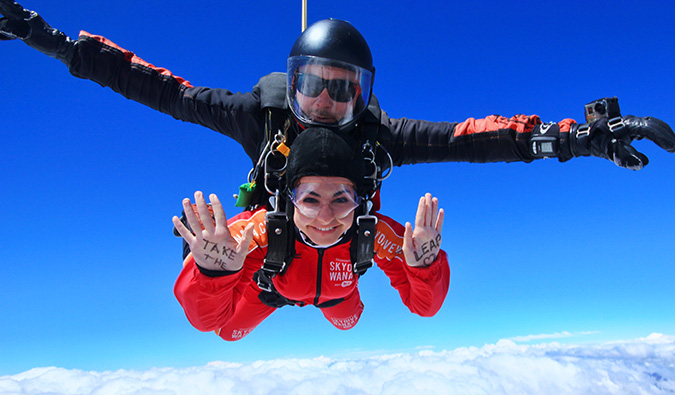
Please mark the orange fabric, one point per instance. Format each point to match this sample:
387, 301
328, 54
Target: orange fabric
566, 125
132, 58
388, 243
520, 123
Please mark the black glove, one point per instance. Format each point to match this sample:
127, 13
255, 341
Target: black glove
28, 26
611, 139
13, 24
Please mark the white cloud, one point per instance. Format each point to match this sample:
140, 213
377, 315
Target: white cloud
644, 365
557, 335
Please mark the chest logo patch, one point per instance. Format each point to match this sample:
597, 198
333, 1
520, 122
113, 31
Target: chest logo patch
341, 274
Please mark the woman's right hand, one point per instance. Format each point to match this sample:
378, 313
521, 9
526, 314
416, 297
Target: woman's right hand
212, 244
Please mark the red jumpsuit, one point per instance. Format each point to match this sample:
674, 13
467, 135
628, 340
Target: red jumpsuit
230, 304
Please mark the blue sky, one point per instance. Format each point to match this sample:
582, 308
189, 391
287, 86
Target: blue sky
91, 180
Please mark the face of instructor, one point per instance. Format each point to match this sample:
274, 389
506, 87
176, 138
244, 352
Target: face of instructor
329, 76
327, 94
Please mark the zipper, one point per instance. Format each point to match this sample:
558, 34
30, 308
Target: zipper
319, 273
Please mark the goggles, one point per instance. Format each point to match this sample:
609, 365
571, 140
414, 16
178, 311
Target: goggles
310, 198
340, 90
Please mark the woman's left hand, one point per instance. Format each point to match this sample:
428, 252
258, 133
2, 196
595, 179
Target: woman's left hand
422, 245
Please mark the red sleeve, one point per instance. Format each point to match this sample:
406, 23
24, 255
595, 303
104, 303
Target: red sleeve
209, 302
422, 290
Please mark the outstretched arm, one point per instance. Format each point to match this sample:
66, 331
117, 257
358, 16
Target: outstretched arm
522, 138
412, 258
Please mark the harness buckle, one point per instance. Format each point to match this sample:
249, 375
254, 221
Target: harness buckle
583, 130
615, 124
368, 219
618, 129
361, 267
273, 266
263, 281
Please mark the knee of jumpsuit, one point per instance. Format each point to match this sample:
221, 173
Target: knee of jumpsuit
345, 315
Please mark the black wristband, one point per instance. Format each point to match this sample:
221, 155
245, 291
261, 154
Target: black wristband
544, 142
216, 273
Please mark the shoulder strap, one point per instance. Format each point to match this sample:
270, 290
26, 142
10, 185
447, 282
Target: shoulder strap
273, 91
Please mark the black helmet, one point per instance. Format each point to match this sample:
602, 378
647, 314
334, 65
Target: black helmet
330, 55
337, 40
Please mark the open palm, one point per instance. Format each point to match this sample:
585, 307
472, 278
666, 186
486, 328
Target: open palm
422, 244
210, 241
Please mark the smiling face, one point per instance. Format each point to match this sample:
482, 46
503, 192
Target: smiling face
323, 108
320, 206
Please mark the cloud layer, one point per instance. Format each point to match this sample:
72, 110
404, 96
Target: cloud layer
644, 366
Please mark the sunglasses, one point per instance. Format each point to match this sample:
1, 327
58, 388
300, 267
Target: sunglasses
338, 89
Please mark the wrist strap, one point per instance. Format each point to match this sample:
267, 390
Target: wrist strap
544, 142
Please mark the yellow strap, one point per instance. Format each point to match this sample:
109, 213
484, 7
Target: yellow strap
283, 148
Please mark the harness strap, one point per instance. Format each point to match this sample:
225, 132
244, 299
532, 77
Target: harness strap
277, 237
365, 243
